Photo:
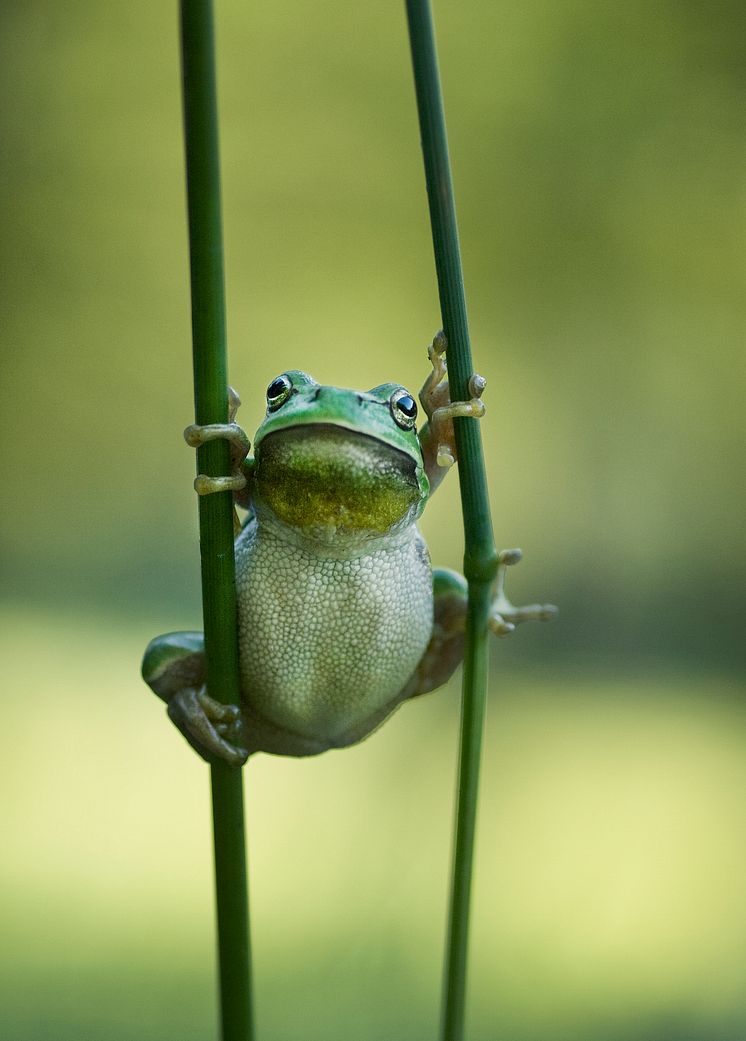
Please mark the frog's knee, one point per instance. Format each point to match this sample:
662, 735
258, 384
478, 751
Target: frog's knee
450, 597
446, 647
174, 661
449, 585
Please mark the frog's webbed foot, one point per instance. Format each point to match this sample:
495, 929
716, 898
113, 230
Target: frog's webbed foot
214, 730
504, 617
196, 435
438, 439
173, 666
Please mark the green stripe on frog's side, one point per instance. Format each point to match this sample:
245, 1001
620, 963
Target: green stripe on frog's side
173, 659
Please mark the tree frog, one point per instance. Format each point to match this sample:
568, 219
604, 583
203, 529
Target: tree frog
340, 616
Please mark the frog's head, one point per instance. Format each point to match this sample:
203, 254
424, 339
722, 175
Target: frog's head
334, 463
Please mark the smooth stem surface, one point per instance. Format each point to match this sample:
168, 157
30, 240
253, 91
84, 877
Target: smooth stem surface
216, 510
480, 558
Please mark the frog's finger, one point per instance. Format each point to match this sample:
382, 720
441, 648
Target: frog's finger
196, 435
474, 409
234, 403
204, 485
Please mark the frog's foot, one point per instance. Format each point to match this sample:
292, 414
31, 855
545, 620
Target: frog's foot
196, 435
438, 439
214, 730
441, 421
504, 617
173, 666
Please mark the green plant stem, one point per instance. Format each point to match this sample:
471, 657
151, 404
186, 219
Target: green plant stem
216, 510
480, 558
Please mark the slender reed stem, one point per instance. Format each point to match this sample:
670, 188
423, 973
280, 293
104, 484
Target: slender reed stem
216, 510
480, 559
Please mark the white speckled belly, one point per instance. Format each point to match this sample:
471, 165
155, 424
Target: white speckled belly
326, 642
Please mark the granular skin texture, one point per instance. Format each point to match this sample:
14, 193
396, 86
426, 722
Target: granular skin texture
328, 641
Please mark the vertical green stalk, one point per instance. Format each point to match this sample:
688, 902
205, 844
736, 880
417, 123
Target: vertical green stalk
216, 510
480, 559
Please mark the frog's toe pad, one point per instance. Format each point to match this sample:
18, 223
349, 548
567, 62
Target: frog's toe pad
211, 728
499, 625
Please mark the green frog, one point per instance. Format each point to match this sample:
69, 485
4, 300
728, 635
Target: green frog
341, 617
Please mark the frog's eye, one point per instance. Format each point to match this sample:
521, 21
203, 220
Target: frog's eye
278, 392
403, 408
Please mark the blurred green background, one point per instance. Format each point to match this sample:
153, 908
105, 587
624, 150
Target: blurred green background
598, 156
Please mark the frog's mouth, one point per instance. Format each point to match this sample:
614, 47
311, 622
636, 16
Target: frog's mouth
327, 481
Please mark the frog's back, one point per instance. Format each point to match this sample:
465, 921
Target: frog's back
326, 644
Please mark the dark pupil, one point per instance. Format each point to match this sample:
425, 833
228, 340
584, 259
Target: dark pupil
407, 405
277, 388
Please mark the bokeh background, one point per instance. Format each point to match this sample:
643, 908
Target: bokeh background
599, 158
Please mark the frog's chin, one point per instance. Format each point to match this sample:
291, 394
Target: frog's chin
330, 484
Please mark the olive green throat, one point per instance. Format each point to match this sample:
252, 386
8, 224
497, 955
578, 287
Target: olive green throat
326, 480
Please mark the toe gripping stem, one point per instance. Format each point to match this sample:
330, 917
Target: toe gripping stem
197, 434
440, 410
504, 616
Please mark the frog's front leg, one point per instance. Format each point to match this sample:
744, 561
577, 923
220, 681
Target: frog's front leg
437, 438
174, 668
196, 435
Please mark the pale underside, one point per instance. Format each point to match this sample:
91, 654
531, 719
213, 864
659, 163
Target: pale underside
325, 643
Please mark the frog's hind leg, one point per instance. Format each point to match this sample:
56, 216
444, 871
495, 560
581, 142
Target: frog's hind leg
505, 616
173, 661
445, 650
174, 668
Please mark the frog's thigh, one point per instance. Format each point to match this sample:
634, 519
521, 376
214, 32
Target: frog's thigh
445, 650
174, 661
174, 667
